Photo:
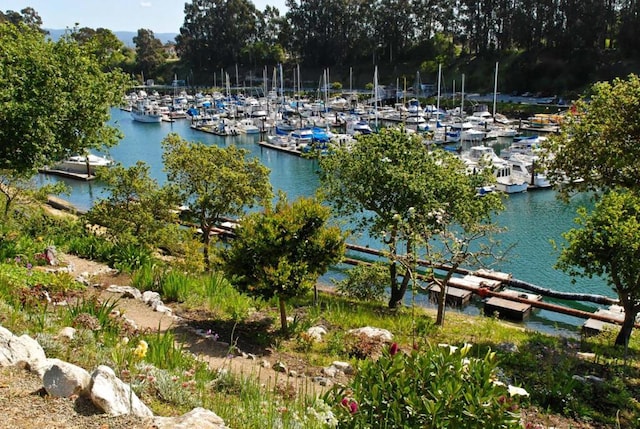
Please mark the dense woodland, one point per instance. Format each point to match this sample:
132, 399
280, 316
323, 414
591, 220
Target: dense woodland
550, 46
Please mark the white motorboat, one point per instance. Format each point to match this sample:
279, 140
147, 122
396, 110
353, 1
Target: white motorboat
146, 112
83, 164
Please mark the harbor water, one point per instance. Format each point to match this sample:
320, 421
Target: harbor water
531, 219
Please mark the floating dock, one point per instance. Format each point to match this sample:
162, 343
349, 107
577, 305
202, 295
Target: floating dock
67, 174
508, 309
454, 296
594, 326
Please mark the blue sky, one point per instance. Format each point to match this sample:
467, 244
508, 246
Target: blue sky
159, 16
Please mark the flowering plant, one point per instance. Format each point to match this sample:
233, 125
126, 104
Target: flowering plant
435, 387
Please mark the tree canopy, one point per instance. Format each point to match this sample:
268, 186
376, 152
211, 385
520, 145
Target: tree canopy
214, 181
608, 244
408, 195
55, 99
597, 147
281, 252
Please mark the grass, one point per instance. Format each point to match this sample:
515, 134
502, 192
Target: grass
172, 381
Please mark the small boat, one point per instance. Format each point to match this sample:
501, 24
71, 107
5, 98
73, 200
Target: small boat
83, 164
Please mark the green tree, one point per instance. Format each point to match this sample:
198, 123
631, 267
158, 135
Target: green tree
597, 147
214, 182
104, 45
282, 252
150, 54
608, 244
137, 208
55, 99
402, 197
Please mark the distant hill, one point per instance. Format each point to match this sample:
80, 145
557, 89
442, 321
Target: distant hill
125, 36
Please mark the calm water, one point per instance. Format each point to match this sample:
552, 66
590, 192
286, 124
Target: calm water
532, 219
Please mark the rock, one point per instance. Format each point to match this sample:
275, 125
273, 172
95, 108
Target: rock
161, 308
508, 347
293, 373
372, 332
586, 355
343, 366
280, 367
322, 381
67, 332
330, 371
126, 291
149, 296
265, 364
197, 418
113, 396
62, 379
24, 349
317, 332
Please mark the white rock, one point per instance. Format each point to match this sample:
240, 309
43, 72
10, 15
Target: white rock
197, 418
67, 332
62, 379
149, 296
14, 350
343, 366
126, 291
113, 396
161, 308
316, 332
371, 332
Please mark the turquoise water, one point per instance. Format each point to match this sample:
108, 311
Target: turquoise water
532, 219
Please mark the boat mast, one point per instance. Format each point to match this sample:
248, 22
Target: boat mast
495, 91
462, 99
438, 98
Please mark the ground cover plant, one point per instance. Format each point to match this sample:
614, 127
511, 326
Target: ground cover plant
570, 382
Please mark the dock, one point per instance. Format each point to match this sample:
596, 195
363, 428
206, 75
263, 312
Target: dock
508, 309
454, 296
67, 174
287, 149
594, 326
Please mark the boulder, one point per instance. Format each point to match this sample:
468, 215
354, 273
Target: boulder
24, 349
126, 291
372, 332
197, 418
113, 396
316, 332
62, 379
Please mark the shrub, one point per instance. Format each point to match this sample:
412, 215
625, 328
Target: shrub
439, 387
365, 282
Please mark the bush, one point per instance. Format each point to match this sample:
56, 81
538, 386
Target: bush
365, 282
439, 387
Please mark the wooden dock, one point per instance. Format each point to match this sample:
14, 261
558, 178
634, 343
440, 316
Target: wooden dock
509, 309
454, 296
67, 174
594, 326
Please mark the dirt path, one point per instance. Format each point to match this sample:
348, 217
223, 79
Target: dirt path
218, 354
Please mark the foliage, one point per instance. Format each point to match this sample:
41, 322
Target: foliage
438, 387
103, 44
596, 148
366, 282
608, 244
283, 251
214, 181
416, 195
17, 186
92, 314
55, 99
137, 209
150, 54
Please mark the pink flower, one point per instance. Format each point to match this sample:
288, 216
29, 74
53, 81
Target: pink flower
353, 407
393, 349
345, 402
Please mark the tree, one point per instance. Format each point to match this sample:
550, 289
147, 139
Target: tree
401, 198
103, 44
608, 244
214, 182
137, 208
282, 252
55, 99
150, 53
597, 147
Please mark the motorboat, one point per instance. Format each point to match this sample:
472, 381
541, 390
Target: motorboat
146, 112
83, 164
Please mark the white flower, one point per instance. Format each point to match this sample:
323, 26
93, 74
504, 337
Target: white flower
452, 349
517, 391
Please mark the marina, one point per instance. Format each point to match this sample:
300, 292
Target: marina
532, 219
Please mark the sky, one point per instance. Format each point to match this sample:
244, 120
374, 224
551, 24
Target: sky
159, 16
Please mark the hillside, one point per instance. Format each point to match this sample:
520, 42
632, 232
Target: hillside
125, 36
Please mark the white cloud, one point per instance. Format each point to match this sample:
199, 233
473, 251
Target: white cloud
145, 3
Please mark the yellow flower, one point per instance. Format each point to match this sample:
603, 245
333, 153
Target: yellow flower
141, 350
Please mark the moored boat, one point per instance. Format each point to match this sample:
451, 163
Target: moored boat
83, 164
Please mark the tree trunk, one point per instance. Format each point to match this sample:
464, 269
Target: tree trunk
627, 326
397, 292
283, 315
